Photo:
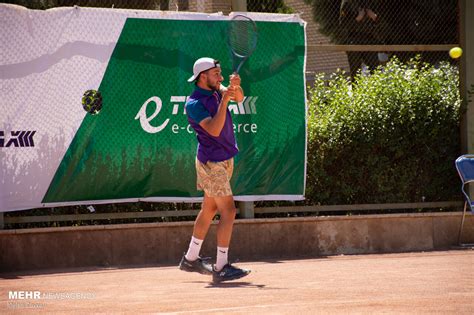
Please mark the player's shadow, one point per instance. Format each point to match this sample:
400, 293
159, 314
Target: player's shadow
235, 285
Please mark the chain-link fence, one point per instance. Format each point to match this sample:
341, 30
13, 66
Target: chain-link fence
338, 31
373, 22
403, 28
417, 27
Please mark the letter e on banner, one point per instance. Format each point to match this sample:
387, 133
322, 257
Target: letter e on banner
145, 121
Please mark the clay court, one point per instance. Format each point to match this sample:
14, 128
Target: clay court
420, 282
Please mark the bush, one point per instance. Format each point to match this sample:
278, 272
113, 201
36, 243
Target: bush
389, 136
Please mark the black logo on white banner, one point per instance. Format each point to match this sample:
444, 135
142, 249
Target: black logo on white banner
19, 138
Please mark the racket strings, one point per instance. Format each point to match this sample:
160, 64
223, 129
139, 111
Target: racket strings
242, 37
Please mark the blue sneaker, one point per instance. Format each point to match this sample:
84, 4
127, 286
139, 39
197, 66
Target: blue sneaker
199, 265
229, 272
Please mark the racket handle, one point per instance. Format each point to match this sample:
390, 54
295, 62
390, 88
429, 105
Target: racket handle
238, 68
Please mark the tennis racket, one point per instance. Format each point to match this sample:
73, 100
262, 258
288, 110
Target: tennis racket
242, 39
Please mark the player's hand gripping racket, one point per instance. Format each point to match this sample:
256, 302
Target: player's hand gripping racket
242, 38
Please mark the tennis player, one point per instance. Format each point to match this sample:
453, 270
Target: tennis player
208, 114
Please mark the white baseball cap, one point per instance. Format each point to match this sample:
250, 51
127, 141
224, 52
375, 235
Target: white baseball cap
203, 64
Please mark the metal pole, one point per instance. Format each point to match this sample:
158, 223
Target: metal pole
2, 221
246, 209
467, 73
466, 77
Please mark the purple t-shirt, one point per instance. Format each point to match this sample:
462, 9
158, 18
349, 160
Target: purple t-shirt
200, 105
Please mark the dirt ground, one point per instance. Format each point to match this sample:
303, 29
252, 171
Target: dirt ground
424, 282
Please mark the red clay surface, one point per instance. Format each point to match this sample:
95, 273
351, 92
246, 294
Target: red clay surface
433, 282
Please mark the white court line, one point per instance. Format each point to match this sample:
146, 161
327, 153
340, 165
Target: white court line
238, 308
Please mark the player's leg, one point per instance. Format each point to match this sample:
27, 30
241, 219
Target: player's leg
227, 211
191, 260
223, 270
204, 218
224, 199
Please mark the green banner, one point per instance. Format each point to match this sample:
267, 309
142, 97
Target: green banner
140, 145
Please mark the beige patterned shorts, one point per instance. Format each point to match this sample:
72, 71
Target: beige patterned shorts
214, 177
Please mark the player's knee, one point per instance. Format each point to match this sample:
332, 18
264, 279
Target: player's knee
229, 212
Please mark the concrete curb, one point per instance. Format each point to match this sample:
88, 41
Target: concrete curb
163, 243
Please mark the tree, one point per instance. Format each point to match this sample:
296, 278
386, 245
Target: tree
269, 6
401, 22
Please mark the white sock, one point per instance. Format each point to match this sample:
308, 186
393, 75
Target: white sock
221, 259
194, 248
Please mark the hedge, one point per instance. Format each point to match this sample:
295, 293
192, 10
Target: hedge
388, 136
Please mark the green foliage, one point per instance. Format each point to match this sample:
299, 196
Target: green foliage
405, 22
268, 6
398, 22
391, 136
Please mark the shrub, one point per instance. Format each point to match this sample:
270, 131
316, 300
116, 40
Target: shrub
389, 136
